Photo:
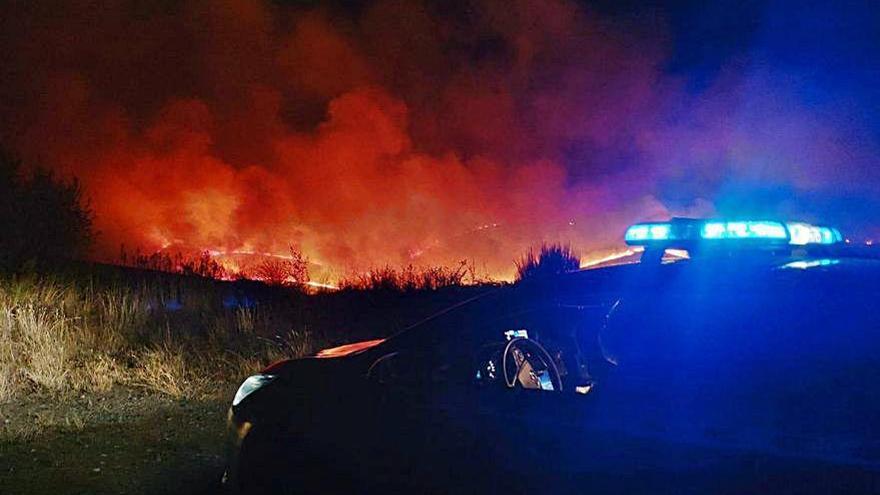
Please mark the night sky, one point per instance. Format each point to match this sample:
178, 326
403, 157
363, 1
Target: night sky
824, 58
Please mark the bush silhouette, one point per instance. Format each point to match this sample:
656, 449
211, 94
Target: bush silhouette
292, 271
44, 218
549, 260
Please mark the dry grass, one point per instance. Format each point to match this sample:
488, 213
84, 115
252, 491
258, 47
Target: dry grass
102, 327
118, 316
99, 373
59, 337
8, 368
163, 369
45, 345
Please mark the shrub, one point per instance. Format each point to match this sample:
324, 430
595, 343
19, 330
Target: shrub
292, 271
549, 260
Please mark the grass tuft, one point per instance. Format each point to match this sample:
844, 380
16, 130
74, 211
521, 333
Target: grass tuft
163, 369
45, 345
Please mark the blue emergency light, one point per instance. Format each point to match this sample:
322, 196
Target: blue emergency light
804, 233
743, 230
682, 232
647, 232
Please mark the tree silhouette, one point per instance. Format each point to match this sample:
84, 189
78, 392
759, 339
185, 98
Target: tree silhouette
43, 218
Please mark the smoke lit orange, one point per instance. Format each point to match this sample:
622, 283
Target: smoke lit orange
400, 134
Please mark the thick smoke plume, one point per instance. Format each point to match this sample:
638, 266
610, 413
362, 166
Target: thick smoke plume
398, 132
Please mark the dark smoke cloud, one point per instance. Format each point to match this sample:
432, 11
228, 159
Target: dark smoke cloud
406, 131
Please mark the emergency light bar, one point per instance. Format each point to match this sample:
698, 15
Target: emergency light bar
683, 232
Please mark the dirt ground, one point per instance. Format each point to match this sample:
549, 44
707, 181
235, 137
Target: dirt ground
124, 442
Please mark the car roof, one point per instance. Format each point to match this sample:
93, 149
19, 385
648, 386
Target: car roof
819, 273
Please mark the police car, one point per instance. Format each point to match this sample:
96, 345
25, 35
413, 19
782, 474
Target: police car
749, 362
